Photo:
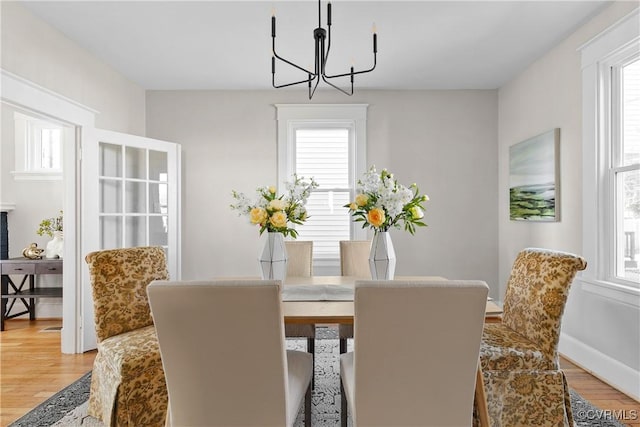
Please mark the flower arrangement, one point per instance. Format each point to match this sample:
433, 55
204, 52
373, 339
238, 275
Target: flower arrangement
275, 213
382, 203
49, 226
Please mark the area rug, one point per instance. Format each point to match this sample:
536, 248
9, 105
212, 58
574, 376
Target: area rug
68, 408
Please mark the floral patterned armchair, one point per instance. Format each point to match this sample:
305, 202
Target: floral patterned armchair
519, 357
127, 385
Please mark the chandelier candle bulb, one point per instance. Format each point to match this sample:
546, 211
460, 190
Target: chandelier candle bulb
273, 25
351, 75
329, 14
375, 43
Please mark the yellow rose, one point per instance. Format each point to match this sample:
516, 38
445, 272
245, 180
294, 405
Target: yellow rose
257, 216
376, 217
278, 219
277, 205
272, 190
416, 212
362, 199
353, 206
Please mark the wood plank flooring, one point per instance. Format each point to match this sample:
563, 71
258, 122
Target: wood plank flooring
33, 369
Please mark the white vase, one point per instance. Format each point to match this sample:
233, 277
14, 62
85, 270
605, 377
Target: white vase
273, 258
382, 258
55, 247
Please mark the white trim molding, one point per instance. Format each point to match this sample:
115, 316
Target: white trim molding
27, 95
7, 207
596, 55
606, 368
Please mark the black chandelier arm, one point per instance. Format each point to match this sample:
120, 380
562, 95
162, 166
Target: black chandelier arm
273, 82
324, 78
312, 92
275, 54
353, 73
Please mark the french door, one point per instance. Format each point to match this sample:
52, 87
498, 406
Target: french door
130, 197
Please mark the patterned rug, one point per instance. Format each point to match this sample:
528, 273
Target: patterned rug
68, 408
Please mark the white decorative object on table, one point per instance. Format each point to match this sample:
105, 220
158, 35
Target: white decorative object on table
273, 258
276, 214
55, 247
53, 228
381, 203
382, 258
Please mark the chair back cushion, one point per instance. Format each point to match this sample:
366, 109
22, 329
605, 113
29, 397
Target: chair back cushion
416, 351
119, 278
222, 349
354, 258
536, 295
300, 258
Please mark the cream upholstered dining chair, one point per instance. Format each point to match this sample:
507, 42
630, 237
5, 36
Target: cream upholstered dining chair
300, 258
519, 357
354, 258
127, 382
354, 261
424, 376
299, 264
215, 376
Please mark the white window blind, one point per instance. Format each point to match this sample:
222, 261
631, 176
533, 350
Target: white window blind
323, 153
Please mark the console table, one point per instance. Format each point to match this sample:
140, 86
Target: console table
28, 269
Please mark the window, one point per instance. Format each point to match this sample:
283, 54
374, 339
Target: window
611, 162
327, 143
38, 148
625, 168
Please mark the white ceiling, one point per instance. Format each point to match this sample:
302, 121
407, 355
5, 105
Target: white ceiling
169, 45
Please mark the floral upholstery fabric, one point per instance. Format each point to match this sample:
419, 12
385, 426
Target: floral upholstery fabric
519, 357
128, 385
528, 398
504, 349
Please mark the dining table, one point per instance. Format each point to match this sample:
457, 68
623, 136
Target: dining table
329, 299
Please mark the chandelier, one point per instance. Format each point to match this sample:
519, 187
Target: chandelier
320, 35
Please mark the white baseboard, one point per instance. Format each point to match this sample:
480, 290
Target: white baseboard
609, 370
49, 310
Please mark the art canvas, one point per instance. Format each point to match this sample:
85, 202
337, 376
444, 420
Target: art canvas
533, 178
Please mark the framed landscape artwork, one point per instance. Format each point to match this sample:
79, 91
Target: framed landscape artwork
534, 185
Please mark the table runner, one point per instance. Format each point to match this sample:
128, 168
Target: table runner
317, 293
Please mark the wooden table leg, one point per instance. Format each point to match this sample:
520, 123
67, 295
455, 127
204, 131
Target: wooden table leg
481, 399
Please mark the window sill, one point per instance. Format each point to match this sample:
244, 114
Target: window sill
37, 176
614, 291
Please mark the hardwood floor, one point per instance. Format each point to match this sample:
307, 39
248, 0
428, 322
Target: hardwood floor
33, 369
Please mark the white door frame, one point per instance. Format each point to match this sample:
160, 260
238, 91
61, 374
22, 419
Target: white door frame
25, 94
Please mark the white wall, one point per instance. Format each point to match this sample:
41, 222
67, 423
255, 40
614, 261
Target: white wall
37, 52
546, 95
445, 141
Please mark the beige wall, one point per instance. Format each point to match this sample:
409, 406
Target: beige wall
445, 141
548, 94
37, 52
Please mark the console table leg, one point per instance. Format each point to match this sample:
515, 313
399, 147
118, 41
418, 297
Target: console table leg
32, 302
3, 306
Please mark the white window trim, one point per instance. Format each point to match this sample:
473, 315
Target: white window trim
23, 168
292, 116
597, 55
